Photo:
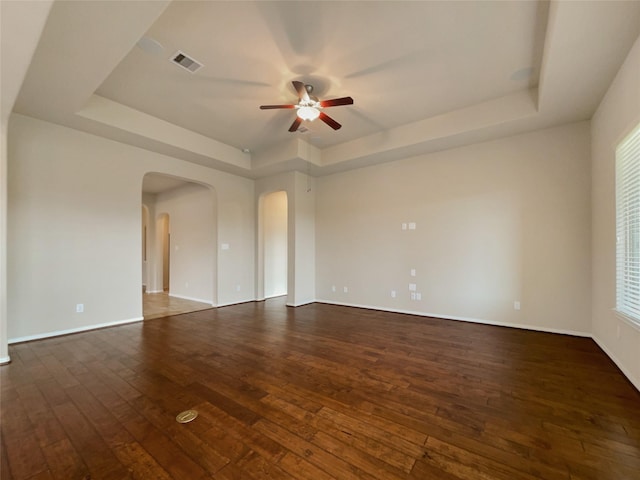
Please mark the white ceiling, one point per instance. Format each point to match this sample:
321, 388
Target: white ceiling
424, 75
425, 58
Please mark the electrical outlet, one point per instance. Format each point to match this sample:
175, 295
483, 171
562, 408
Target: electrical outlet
516, 305
413, 272
345, 290
393, 294
80, 308
333, 288
413, 295
412, 287
237, 288
418, 296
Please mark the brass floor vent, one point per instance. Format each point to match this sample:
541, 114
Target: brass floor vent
186, 416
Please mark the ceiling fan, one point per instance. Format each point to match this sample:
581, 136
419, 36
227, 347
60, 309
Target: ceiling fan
309, 107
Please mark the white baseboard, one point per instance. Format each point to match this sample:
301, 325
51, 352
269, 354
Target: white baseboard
154, 291
5, 360
307, 302
463, 319
274, 296
183, 297
58, 333
237, 302
634, 381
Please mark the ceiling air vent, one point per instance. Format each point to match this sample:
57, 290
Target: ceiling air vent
186, 62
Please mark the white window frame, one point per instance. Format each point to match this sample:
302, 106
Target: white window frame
628, 227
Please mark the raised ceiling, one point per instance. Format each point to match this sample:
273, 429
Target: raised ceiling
402, 62
424, 75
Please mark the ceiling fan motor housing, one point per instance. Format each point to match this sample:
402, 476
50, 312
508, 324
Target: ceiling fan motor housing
308, 107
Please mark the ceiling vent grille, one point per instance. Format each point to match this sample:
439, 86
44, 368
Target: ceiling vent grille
183, 60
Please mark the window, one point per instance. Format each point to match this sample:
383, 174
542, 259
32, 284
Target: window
628, 226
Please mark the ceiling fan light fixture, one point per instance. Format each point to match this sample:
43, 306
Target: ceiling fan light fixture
309, 107
308, 113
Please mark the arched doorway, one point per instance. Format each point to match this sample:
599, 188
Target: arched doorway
164, 235
275, 248
182, 246
145, 244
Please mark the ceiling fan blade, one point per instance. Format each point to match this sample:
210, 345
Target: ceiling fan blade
337, 102
303, 95
296, 123
329, 121
269, 107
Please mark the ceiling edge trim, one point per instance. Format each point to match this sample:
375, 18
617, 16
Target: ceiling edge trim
116, 115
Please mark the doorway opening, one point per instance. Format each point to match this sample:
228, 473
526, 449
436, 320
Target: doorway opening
180, 269
145, 241
275, 246
165, 242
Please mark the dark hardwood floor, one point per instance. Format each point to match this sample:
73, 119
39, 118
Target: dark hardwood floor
316, 392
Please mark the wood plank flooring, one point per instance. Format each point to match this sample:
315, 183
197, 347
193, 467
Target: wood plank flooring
317, 392
158, 305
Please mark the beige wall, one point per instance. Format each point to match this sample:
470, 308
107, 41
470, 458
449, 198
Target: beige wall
21, 24
617, 115
74, 228
4, 349
496, 222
